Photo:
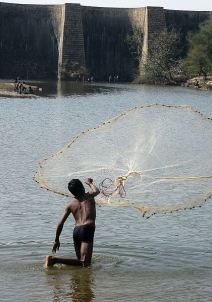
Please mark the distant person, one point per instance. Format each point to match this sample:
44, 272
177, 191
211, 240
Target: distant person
24, 88
20, 88
83, 209
30, 90
17, 79
196, 84
17, 86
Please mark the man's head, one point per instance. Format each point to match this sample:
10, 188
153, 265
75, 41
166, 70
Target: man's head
76, 187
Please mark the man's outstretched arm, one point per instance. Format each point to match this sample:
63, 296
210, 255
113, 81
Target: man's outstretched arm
59, 229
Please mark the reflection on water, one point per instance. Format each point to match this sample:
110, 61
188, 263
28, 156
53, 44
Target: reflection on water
71, 284
81, 285
65, 88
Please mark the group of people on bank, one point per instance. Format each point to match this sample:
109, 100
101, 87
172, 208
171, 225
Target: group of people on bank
113, 79
22, 87
91, 79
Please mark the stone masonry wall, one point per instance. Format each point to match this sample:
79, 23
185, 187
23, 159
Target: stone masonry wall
185, 21
105, 31
73, 54
154, 22
29, 37
52, 41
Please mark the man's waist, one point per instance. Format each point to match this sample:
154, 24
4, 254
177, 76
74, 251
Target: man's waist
89, 223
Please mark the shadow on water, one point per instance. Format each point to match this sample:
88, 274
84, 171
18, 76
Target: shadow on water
67, 88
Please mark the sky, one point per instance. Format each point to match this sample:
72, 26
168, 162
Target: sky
194, 5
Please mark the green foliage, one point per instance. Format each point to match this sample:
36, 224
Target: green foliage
163, 61
199, 58
134, 41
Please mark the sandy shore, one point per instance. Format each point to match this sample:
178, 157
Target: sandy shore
7, 89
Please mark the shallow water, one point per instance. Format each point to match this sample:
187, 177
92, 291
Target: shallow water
164, 258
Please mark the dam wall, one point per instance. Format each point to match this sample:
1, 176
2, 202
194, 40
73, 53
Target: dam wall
154, 22
62, 41
72, 59
185, 21
29, 37
105, 31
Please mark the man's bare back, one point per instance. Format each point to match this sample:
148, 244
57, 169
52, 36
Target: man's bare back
83, 209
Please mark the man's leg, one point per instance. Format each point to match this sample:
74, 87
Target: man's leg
51, 260
77, 250
86, 252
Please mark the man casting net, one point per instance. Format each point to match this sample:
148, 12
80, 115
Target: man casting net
155, 158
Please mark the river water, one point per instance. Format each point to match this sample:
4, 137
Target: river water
164, 258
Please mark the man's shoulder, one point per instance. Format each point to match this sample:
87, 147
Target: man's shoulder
71, 203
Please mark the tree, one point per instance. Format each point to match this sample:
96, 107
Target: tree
134, 41
199, 58
162, 63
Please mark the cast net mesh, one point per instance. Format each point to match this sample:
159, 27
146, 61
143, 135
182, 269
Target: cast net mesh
155, 158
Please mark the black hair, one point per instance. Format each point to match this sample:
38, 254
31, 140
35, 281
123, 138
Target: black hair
75, 186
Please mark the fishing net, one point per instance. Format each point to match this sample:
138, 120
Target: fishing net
155, 158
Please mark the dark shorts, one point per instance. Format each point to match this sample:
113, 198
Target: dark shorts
83, 233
